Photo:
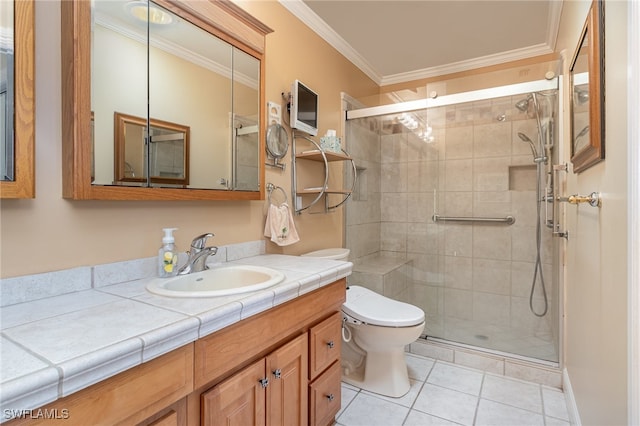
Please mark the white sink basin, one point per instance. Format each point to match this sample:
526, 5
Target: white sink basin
217, 281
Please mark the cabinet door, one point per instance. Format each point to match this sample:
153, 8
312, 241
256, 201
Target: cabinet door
237, 401
325, 343
287, 391
325, 396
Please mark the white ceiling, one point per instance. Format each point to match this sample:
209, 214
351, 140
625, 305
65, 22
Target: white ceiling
396, 41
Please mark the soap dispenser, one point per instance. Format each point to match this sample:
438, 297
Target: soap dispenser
168, 255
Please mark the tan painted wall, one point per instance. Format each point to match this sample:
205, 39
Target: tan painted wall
596, 262
50, 233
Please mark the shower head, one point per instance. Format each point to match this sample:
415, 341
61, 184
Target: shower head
583, 132
523, 105
581, 96
525, 138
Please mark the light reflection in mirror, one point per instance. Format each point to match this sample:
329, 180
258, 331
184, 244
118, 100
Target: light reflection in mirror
167, 145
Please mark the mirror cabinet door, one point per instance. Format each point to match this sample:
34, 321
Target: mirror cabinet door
190, 75
118, 80
246, 127
17, 100
169, 89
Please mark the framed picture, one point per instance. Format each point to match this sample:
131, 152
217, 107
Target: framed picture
587, 92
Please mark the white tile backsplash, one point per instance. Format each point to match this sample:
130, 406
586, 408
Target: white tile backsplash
49, 284
242, 250
129, 270
40, 286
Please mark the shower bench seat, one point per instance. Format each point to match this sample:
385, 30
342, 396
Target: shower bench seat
383, 272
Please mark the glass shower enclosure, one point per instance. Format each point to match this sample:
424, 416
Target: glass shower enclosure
450, 213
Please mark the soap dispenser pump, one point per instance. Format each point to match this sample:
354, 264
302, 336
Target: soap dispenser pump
168, 255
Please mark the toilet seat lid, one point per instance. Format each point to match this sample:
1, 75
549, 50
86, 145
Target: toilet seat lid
375, 309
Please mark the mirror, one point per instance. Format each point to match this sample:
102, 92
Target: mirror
587, 90
277, 144
157, 154
17, 99
156, 64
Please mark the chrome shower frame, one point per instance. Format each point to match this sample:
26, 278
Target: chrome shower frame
457, 98
551, 208
554, 210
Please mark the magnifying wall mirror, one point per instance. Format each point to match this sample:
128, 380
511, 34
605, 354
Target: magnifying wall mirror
17, 100
277, 144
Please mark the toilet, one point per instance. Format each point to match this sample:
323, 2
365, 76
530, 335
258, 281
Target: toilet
375, 331
330, 253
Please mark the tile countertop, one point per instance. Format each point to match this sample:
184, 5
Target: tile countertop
53, 347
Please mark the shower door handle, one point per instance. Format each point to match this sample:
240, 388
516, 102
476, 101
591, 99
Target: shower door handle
593, 199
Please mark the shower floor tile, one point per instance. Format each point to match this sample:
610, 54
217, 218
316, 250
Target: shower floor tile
445, 394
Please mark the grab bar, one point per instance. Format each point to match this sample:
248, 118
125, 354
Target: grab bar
508, 220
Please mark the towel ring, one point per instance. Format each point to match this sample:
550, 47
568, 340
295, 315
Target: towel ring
271, 187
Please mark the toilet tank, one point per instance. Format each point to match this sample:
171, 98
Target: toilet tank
330, 253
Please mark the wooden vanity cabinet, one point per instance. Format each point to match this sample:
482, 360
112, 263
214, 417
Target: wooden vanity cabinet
230, 363
271, 391
217, 378
142, 395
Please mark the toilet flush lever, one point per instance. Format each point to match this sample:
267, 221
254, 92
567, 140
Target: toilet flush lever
351, 320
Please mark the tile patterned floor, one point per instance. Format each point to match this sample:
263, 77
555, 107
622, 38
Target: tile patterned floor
446, 394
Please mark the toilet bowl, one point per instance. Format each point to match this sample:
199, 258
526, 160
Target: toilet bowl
375, 331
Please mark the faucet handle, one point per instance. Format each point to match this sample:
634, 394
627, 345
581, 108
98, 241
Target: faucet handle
200, 241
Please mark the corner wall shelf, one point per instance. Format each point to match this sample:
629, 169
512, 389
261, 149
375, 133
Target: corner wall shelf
320, 192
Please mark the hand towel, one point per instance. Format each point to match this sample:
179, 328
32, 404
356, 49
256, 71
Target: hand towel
279, 225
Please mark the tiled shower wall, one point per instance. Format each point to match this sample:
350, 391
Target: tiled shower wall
472, 280
363, 210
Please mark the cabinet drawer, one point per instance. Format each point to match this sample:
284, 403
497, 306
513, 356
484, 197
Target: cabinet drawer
325, 341
325, 397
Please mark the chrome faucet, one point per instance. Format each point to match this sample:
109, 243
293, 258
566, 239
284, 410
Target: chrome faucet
198, 255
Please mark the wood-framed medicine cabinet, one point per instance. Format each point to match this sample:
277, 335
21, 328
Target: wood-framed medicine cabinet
18, 103
197, 63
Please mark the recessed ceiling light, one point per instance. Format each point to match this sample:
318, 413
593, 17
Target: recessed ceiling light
146, 12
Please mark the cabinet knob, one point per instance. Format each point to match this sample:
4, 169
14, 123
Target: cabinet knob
330, 344
277, 373
264, 382
330, 397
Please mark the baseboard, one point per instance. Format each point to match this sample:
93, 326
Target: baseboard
496, 363
570, 399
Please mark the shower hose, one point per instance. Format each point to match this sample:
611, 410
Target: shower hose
539, 200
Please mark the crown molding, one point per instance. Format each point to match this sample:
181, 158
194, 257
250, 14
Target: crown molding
317, 25
553, 22
471, 64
